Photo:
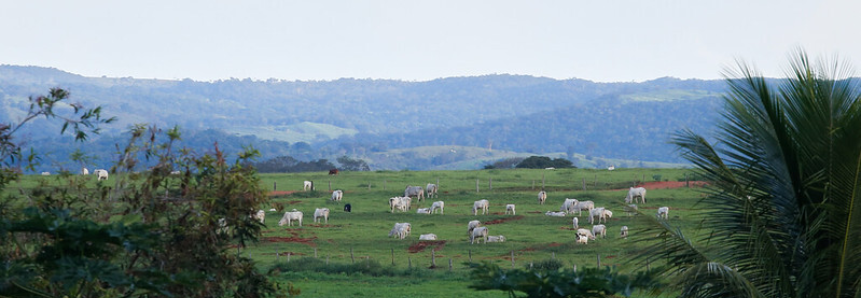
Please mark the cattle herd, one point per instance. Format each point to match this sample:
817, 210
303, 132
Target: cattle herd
597, 216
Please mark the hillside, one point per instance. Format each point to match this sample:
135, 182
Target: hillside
372, 119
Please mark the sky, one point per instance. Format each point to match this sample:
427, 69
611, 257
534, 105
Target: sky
602, 41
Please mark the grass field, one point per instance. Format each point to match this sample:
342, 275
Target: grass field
353, 256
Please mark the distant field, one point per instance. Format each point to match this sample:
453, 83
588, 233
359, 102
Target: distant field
670, 94
301, 132
361, 236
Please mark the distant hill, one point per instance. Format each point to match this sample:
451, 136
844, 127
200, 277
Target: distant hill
370, 119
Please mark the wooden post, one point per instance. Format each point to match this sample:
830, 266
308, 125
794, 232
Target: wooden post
512, 259
553, 255
277, 255
369, 185
288, 257
490, 183
330, 185
686, 180
433, 258
598, 257
315, 252
449, 264
542, 181
274, 186
575, 268
409, 262
476, 185
352, 259
470, 256
584, 184
393, 256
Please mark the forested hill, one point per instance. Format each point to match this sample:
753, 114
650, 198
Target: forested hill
357, 117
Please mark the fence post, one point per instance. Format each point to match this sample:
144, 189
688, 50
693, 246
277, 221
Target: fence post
553, 255
686, 180
274, 186
490, 183
315, 252
575, 268
470, 256
449, 264
330, 185
584, 184
409, 262
277, 255
352, 260
288, 257
476, 185
433, 258
512, 259
542, 181
369, 185
598, 257
393, 256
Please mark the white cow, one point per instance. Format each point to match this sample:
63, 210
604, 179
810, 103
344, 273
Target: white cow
337, 195
414, 191
576, 222
431, 190
400, 203
542, 196
102, 174
569, 206
624, 232
610, 168
499, 238
260, 215
423, 210
427, 236
583, 205
631, 209
634, 193
85, 171
400, 230
471, 226
555, 214
308, 186
291, 216
582, 239
599, 213
509, 208
480, 204
599, 230
321, 213
585, 232
46, 173
480, 233
438, 205
664, 212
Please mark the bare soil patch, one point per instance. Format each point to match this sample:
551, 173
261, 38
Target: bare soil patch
421, 245
502, 220
307, 241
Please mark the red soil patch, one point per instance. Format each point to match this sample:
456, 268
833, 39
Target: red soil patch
502, 220
670, 184
281, 192
535, 212
294, 202
420, 246
554, 244
308, 241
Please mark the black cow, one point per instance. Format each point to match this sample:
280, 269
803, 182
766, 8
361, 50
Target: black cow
348, 208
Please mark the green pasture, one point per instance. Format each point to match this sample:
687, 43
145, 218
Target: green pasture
361, 236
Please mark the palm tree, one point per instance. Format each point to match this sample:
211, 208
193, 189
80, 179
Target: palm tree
783, 207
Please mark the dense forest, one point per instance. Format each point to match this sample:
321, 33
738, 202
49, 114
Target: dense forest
310, 120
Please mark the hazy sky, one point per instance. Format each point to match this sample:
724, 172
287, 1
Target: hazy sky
605, 41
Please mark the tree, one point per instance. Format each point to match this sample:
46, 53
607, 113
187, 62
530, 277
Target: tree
784, 210
542, 162
350, 164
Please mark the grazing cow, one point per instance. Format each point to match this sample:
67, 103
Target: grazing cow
333, 172
272, 210
664, 212
584, 205
101, 174
471, 226
480, 204
509, 208
427, 236
431, 190
438, 205
610, 168
414, 191
348, 208
480, 233
499, 238
337, 195
85, 171
321, 213
260, 215
46, 173
624, 232
309, 185
423, 210
569, 206
585, 232
400, 203
599, 214
542, 196
634, 193
175, 173
576, 222
289, 217
599, 230
400, 230
582, 239
555, 214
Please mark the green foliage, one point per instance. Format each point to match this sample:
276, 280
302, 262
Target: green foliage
542, 162
350, 164
783, 207
287, 164
547, 282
